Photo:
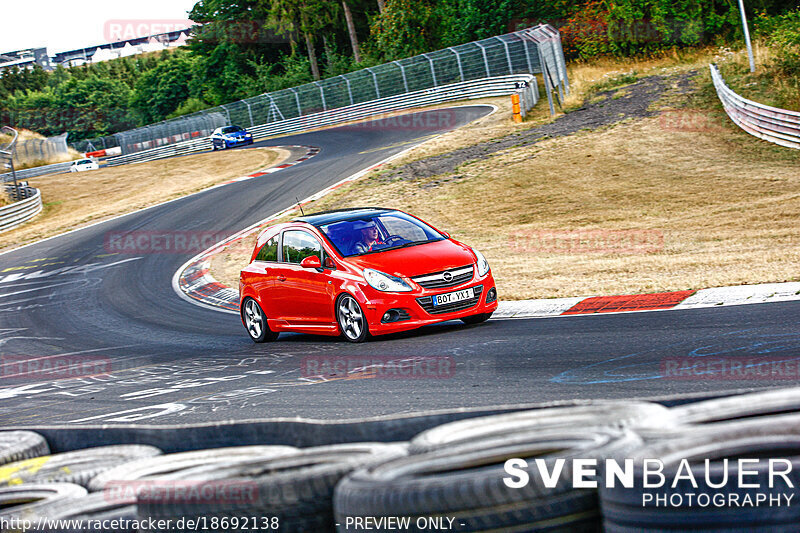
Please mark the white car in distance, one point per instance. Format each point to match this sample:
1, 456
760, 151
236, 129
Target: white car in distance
82, 165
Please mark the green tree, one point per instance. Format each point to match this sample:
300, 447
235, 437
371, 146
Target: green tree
308, 17
462, 21
161, 90
405, 28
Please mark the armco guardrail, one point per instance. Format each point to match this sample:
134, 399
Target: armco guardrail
779, 126
487, 87
21, 211
57, 168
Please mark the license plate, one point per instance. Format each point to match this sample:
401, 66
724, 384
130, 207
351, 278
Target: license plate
452, 297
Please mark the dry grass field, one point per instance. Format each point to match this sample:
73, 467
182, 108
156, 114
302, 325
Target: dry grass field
681, 200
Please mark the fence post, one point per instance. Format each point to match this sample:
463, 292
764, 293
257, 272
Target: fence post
527, 52
458, 60
273, 107
9, 149
546, 80
297, 99
249, 112
485, 59
403, 73
226, 112
375, 79
433, 72
508, 55
349, 91
322, 95
560, 56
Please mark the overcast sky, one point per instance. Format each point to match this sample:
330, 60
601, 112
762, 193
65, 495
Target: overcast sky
65, 25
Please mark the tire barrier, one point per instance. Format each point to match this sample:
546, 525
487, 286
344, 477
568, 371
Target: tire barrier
77, 467
737, 412
111, 515
465, 483
21, 211
711, 459
21, 445
337, 475
25, 500
600, 414
778, 126
172, 464
295, 489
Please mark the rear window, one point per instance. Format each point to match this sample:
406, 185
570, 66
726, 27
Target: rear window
269, 252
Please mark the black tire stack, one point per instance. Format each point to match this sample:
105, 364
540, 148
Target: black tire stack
454, 473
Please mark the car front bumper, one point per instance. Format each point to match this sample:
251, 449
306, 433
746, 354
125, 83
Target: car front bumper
420, 312
238, 141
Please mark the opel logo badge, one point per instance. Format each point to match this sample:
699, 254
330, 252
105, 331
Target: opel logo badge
447, 276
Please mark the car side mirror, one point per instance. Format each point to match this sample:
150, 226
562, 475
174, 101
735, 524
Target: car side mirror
312, 261
447, 235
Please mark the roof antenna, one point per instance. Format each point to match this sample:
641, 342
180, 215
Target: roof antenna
299, 205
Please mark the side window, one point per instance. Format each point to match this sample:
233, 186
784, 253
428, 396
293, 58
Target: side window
269, 252
297, 245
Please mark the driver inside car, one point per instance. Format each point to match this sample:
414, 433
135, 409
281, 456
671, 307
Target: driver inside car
369, 237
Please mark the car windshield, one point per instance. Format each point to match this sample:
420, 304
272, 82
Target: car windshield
231, 129
377, 233
84, 161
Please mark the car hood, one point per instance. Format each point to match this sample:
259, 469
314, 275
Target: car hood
417, 260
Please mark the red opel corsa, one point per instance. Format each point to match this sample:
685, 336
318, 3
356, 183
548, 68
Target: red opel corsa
360, 272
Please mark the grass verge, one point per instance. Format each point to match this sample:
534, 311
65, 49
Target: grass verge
683, 200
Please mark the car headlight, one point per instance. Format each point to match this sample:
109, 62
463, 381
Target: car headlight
384, 282
483, 264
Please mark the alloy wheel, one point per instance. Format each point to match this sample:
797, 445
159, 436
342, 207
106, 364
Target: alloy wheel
351, 319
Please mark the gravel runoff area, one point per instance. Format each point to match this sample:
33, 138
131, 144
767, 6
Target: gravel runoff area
606, 108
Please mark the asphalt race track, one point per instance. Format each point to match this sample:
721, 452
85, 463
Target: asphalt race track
160, 359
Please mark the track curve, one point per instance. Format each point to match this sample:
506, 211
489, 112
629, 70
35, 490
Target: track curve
136, 352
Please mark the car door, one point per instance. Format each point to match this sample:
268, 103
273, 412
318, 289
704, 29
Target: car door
261, 275
304, 294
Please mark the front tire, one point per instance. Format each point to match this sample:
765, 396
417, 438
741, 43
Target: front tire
476, 319
255, 322
350, 317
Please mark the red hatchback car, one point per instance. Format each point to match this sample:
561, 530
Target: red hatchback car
360, 272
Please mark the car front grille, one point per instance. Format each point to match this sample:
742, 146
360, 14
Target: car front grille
437, 280
427, 303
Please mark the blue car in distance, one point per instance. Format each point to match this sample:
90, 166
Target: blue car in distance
228, 136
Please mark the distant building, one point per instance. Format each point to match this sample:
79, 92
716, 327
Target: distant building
105, 52
25, 59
